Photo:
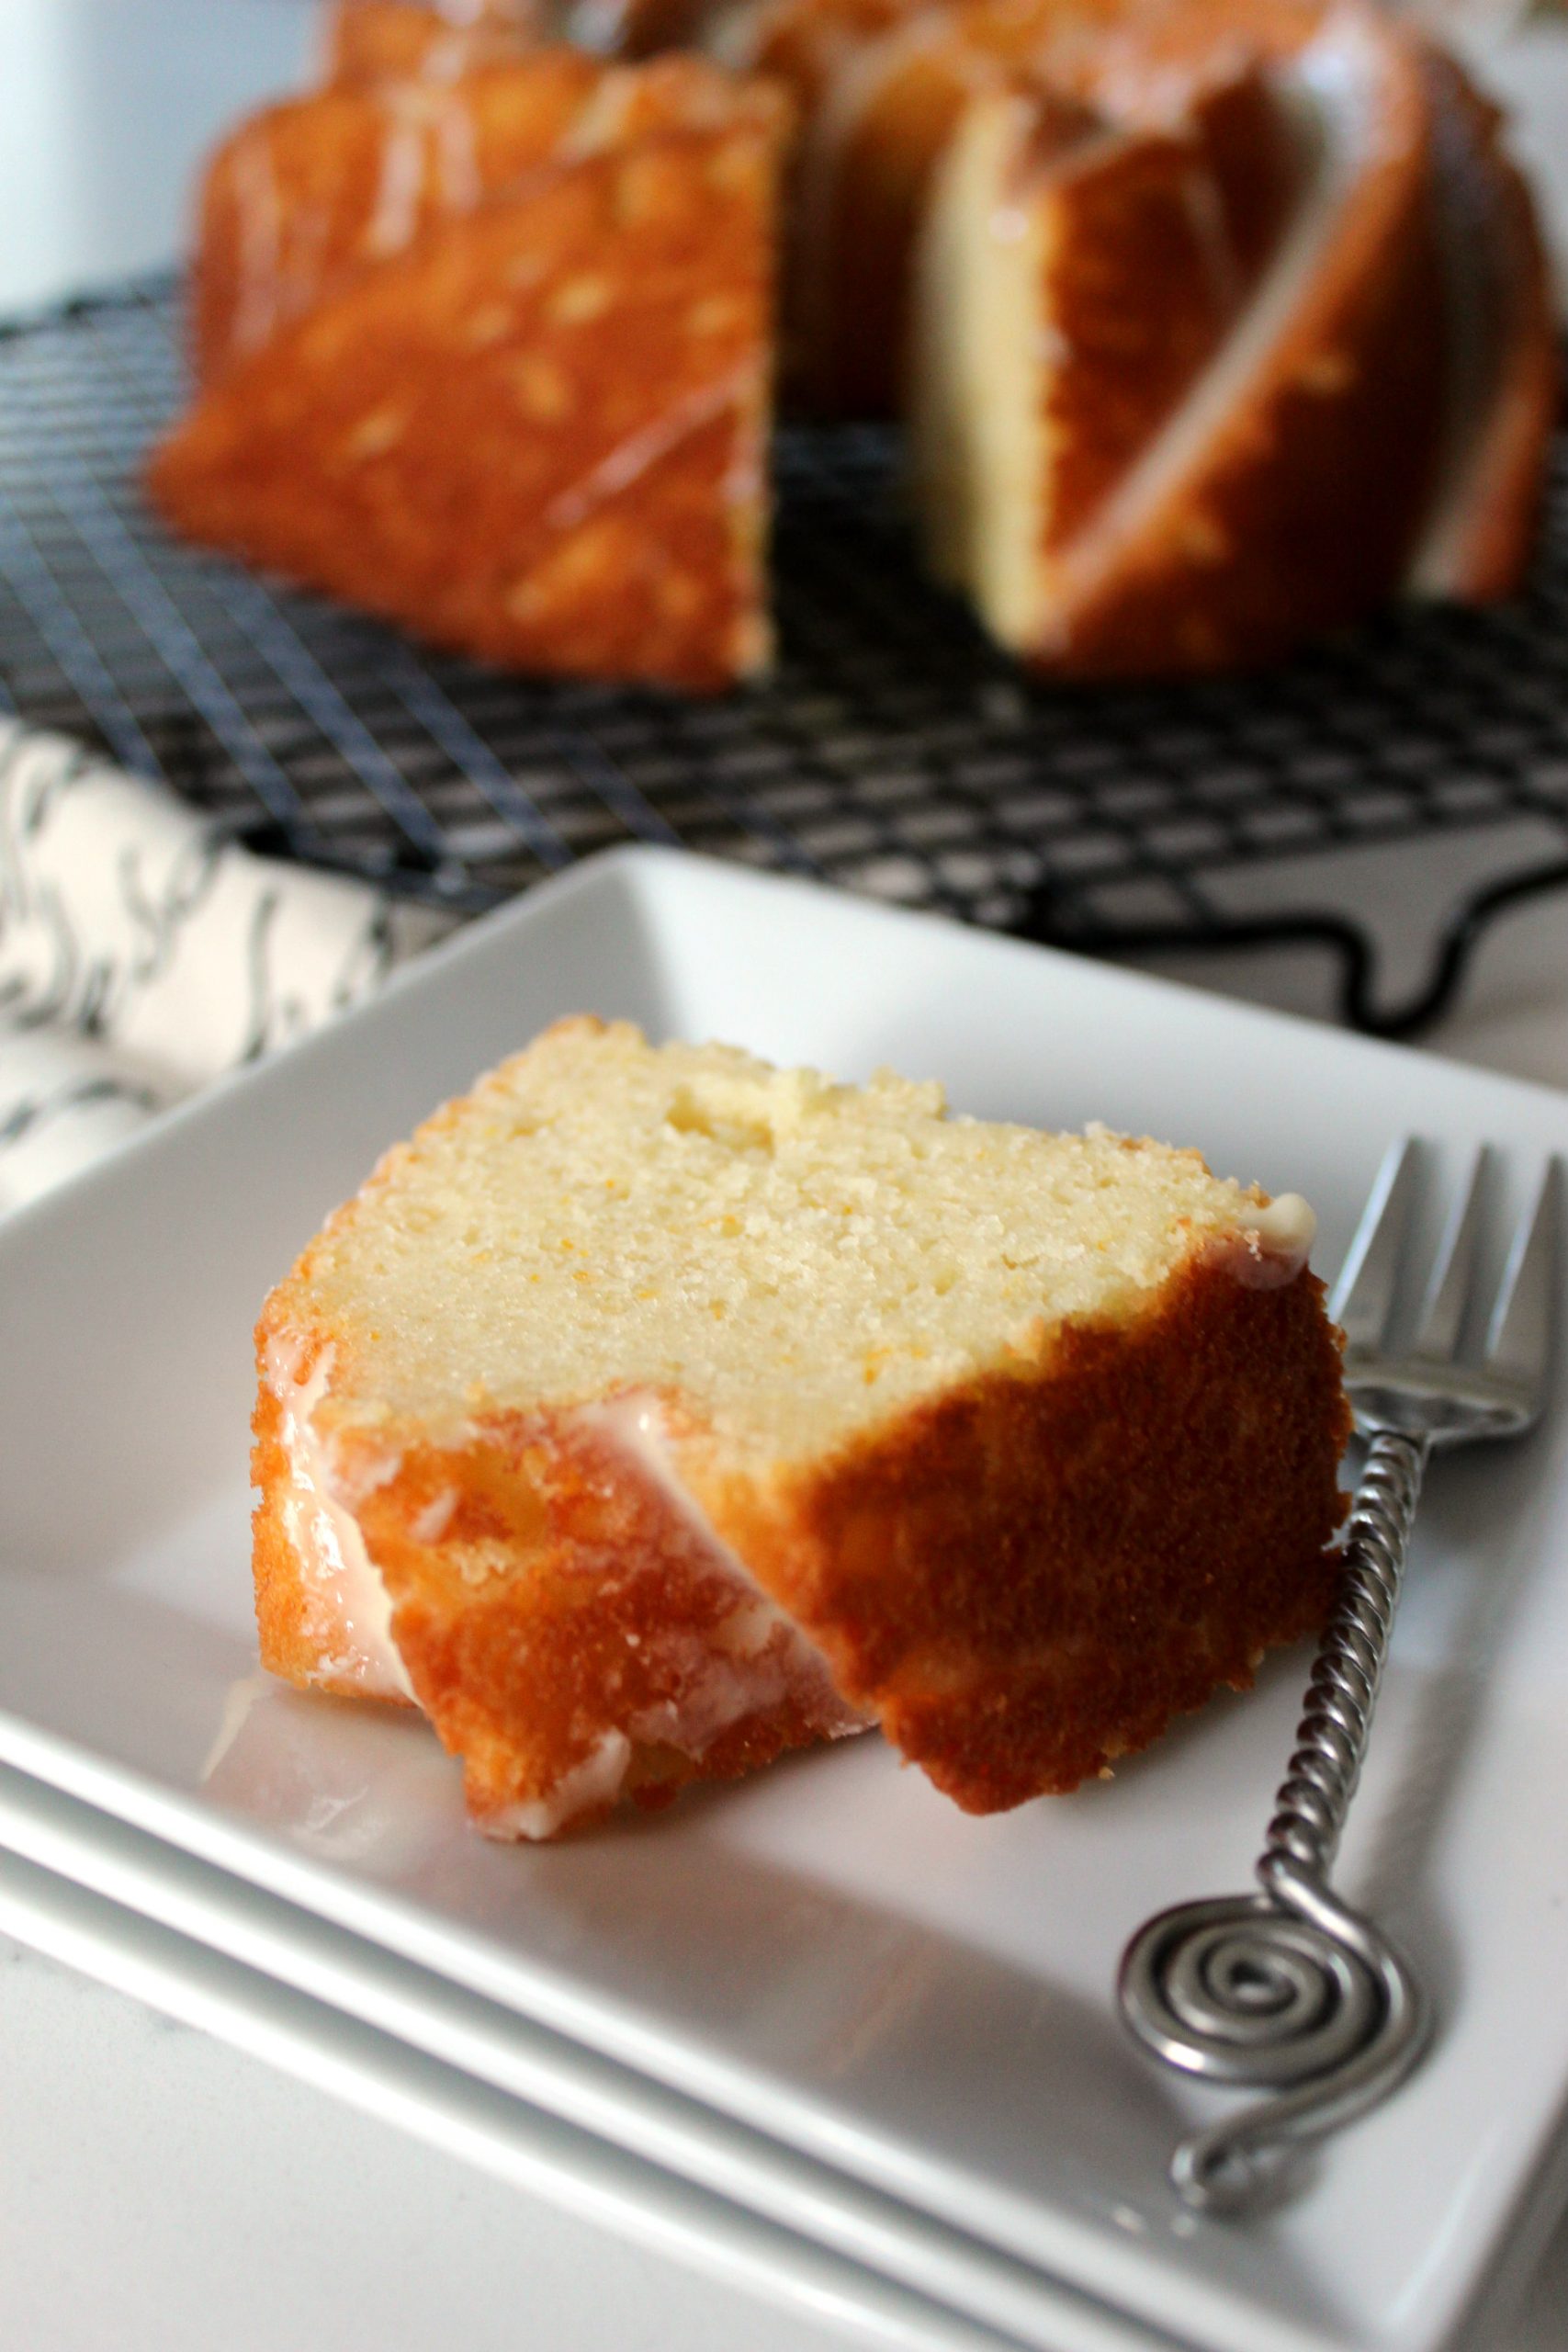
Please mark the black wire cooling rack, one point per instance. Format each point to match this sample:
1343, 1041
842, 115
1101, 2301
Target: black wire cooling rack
893, 751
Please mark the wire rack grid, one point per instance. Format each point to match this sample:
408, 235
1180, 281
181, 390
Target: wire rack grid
893, 751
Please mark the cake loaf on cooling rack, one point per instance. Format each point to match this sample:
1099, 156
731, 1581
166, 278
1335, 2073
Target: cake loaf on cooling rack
1218, 323
653, 1411
539, 434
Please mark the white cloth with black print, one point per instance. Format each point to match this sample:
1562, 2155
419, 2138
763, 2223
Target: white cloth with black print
144, 952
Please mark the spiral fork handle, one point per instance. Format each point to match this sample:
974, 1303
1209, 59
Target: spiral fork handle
1320, 1780
1291, 1989
1245, 1994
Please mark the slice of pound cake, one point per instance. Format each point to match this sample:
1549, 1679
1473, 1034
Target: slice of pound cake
655, 1410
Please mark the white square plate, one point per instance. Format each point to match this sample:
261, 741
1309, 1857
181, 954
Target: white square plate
831, 1951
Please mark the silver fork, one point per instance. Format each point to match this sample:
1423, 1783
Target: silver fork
1291, 1989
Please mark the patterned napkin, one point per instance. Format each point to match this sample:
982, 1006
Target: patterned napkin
144, 952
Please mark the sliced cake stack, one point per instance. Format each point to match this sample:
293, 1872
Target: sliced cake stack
1218, 323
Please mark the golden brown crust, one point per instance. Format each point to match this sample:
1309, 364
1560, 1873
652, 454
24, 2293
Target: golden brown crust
1140, 291
1505, 310
308, 193
1035, 1575
387, 41
283, 1617
540, 436
1299, 511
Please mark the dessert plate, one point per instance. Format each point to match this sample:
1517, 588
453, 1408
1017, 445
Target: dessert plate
919, 2002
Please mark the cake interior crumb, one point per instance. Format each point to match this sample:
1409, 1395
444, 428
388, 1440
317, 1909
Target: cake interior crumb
800, 1259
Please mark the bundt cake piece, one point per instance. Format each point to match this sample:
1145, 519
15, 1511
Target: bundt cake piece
1076, 280
538, 434
1218, 323
1142, 454
655, 1410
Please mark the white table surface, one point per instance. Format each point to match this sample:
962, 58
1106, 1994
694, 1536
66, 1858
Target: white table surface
157, 2187
163, 2192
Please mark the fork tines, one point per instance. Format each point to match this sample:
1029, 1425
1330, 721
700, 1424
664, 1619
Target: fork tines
1506, 1338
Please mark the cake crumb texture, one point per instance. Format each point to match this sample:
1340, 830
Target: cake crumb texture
721, 1408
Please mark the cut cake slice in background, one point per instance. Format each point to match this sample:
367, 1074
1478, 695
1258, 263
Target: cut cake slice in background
540, 436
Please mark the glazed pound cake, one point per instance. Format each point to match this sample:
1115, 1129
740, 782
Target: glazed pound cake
537, 434
1144, 449
654, 1411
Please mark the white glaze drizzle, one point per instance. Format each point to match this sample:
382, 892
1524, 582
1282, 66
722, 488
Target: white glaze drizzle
759, 1653
602, 121
592, 1784
404, 168
1288, 1225
238, 1702
640, 451
1275, 1242
260, 270
342, 1587
1324, 95
456, 135
756, 1657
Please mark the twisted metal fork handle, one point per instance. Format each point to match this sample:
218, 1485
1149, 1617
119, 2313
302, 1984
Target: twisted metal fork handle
1291, 1989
